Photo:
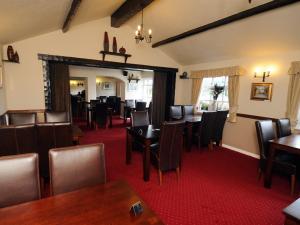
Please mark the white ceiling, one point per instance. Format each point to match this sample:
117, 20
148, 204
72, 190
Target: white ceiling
21, 19
269, 33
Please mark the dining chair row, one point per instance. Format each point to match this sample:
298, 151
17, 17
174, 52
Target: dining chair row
284, 163
71, 168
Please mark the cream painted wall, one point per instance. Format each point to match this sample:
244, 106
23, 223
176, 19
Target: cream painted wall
242, 134
24, 82
2, 89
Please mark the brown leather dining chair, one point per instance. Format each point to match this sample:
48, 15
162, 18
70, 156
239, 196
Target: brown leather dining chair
56, 117
22, 118
284, 163
166, 155
19, 179
283, 127
72, 168
139, 118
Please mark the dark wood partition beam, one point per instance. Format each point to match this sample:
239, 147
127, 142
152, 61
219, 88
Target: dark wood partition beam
71, 14
127, 10
230, 19
254, 117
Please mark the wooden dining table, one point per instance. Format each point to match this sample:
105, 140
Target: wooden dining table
289, 144
90, 110
190, 123
107, 204
146, 135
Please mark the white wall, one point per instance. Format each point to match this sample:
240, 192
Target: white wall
74, 88
24, 81
2, 89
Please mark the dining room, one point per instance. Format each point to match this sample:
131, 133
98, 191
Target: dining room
149, 112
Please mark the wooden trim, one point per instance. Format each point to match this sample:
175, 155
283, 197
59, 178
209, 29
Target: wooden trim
26, 111
254, 117
102, 64
71, 14
127, 10
227, 20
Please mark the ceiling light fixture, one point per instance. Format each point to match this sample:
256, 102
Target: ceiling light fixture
140, 34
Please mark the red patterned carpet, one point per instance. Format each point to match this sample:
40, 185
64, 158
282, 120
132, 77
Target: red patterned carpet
217, 187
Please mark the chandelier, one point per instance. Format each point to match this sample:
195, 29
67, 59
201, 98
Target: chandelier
140, 34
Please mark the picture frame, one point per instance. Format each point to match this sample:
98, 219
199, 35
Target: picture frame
261, 91
107, 86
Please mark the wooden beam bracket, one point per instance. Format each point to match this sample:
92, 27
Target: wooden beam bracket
71, 14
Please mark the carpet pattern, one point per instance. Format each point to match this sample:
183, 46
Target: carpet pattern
215, 187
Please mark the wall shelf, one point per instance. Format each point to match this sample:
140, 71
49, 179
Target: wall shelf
5, 60
104, 53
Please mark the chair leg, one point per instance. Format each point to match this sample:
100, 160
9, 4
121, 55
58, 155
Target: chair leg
293, 183
199, 142
160, 177
178, 173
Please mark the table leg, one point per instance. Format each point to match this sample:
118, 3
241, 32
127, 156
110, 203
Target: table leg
268, 173
189, 136
146, 160
128, 148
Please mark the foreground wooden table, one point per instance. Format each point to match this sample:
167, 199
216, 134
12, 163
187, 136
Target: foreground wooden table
292, 213
107, 204
289, 144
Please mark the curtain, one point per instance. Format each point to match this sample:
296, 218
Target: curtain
226, 71
60, 87
196, 86
163, 96
233, 94
293, 98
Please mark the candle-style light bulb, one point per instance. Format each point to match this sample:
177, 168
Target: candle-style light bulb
139, 27
136, 33
150, 31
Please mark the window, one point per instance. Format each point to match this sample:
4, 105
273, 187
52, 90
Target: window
206, 98
147, 85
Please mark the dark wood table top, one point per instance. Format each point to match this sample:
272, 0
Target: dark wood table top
192, 119
149, 132
291, 141
293, 210
103, 204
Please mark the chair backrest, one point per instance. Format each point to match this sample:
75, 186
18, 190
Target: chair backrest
19, 179
56, 117
170, 145
139, 118
8, 143
101, 113
265, 132
22, 118
140, 106
76, 167
207, 127
26, 139
188, 110
51, 135
283, 127
219, 124
130, 103
176, 112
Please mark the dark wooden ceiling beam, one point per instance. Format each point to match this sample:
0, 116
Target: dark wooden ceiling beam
71, 14
230, 19
127, 10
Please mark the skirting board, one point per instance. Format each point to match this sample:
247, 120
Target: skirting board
241, 151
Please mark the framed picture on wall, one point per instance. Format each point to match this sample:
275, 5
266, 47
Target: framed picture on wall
261, 91
107, 85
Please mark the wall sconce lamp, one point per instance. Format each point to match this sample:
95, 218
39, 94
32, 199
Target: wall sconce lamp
262, 73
